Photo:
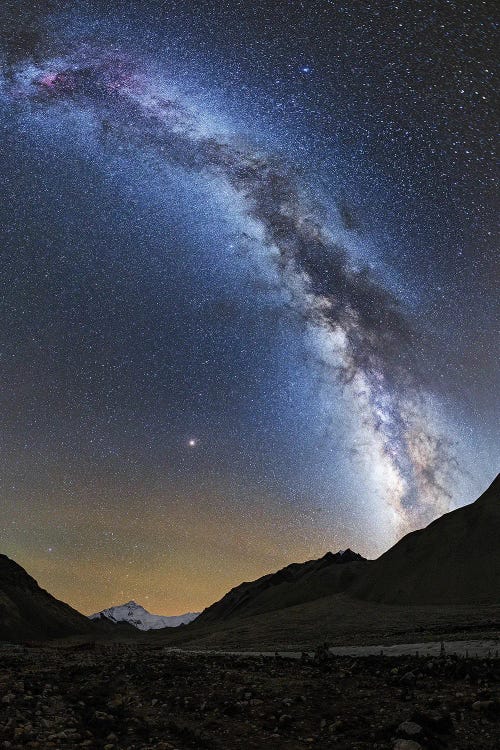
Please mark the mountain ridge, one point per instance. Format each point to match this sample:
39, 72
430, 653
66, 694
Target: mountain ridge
135, 614
453, 562
28, 612
295, 583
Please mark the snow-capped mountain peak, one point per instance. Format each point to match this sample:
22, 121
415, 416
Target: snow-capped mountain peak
136, 615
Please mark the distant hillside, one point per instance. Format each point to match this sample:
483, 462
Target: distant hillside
441, 581
454, 560
446, 576
295, 584
27, 612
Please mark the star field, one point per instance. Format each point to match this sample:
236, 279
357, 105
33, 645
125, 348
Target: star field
248, 284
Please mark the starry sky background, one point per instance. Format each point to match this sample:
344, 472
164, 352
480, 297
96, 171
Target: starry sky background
247, 286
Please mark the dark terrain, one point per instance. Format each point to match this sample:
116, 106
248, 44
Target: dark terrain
454, 560
444, 579
112, 687
295, 584
28, 611
132, 697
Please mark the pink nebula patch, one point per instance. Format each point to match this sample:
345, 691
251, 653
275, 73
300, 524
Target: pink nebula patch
57, 81
48, 80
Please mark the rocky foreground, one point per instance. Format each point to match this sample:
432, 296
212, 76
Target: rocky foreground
122, 696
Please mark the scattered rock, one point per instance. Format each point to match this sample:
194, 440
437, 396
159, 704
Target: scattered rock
409, 729
407, 745
138, 697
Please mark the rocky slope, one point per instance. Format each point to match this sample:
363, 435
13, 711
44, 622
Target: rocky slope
27, 612
454, 560
295, 584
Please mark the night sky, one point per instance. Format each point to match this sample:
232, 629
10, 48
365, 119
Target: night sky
247, 286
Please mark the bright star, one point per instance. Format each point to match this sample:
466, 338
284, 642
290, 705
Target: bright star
192, 442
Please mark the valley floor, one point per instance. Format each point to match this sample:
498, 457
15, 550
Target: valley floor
340, 620
472, 648
134, 697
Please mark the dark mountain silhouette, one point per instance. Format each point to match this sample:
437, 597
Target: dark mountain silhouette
447, 572
295, 584
454, 560
27, 612
443, 581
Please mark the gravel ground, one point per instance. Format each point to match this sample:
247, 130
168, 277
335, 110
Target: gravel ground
113, 696
473, 648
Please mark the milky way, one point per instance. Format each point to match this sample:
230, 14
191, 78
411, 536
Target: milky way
367, 340
359, 334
